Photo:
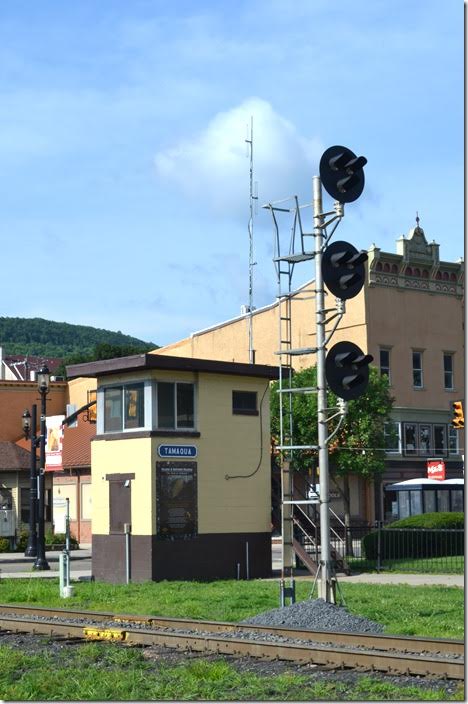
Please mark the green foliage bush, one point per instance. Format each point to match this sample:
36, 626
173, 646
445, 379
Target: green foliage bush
443, 519
59, 539
50, 539
4, 545
425, 535
22, 541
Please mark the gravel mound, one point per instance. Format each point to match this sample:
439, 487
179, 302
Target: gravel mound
316, 614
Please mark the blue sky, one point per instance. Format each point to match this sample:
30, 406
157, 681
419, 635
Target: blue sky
125, 176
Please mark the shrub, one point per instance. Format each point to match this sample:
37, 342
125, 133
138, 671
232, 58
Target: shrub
4, 545
59, 539
425, 535
22, 541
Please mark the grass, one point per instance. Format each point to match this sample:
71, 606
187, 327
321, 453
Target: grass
435, 611
100, 671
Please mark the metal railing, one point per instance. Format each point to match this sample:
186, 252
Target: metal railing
370, 548
425, 550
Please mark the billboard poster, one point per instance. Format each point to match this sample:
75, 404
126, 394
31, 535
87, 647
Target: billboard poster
54, 443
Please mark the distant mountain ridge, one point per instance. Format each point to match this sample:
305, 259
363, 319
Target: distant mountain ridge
37, 336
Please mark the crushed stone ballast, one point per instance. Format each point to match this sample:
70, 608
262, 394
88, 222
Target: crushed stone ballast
373, 651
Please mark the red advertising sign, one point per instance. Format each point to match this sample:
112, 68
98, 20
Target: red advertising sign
436, 469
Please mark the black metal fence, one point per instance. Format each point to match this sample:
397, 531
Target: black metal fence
425, 550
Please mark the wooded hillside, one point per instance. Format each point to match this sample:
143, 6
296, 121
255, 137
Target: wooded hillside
36, 336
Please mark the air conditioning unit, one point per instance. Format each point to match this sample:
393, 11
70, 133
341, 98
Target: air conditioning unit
246, 309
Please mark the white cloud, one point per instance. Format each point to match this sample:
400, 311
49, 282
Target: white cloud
213, 167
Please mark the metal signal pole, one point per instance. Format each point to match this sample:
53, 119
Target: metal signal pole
326, 584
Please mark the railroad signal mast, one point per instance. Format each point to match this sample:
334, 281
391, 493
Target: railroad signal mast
340, 268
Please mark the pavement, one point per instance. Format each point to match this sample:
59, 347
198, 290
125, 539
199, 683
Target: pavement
16, 565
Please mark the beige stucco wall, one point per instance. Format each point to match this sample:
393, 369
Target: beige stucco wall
229, 341
232, 445
228, 445
122, 457
407, 320
78, 390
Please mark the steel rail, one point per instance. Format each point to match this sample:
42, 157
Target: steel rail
371, 640
385, 657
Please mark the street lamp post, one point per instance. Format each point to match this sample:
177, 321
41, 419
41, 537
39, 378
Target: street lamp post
29, 421
43, 388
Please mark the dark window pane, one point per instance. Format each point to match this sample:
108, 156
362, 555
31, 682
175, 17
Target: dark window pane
443, 503
440, 445
391, 432
166, 410
113, 409
425, 440
429, 501
415, 502
457, 499
410, 439
385, 362
6, 499
134, 406
244, 401
185, 405
448, 371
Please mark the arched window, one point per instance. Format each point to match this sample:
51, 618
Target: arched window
394, 269
409, 271
445, 276
453, 277
386, 266
438, 275
416, 272
425, 274
379, 266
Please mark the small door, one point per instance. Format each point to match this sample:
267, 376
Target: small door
120, 504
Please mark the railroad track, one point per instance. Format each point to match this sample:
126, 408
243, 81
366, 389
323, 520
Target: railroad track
401, 655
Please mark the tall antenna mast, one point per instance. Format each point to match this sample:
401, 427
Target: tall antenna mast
253, 197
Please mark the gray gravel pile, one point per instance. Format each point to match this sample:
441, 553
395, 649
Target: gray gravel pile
316, 614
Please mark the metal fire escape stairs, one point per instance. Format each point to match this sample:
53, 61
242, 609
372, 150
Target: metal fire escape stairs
293, 514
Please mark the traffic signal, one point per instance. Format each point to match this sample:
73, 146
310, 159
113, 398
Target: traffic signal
341, 173
458, 420
347, 370
343, 269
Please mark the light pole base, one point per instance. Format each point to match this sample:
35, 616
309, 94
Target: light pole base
31, 548
41, 564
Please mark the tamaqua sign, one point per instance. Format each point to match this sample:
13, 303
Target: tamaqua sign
436, 469
177, 451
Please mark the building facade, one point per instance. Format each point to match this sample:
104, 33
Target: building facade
410, 317
180, 468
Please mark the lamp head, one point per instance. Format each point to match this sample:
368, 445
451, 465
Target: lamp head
43, 378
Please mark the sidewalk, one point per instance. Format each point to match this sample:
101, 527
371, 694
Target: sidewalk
14, 565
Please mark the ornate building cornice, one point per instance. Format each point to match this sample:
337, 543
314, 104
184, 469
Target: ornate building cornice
415, 266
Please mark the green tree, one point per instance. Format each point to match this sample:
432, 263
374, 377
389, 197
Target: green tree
358, 446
